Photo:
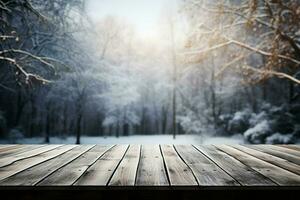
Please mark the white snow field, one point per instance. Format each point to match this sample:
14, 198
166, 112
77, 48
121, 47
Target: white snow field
136, 139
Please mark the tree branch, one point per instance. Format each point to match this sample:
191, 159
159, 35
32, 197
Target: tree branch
28, 76
42, 60
271, 72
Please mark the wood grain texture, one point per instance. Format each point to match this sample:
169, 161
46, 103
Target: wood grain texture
275, 173
70, 173
285, 150
178, 172
37, 173
102, 170
149, 165
126, 172
293, 147
151, 171
17, 149
25, 163
3, 146
205, 171
27, 154
275, 152
269, 158
240, 172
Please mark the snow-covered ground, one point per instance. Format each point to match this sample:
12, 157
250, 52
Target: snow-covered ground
136, 139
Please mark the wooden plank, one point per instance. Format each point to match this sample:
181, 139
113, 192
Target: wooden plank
274, 152
151, 170
206, 172
126, 172
68, 174
11, 159
240, 172
293, 147
275, 173
17, 149
178, 172
102, 170
285, 150
4, 147
20, 165
35, 174
269, 158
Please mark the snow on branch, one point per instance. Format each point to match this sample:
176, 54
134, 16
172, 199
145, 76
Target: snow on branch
40, 59
208, 49
271, 73
241, 44
28, 76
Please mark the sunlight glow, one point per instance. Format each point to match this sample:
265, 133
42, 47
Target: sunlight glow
144, 15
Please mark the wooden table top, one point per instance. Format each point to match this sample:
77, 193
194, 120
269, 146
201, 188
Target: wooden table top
150, 165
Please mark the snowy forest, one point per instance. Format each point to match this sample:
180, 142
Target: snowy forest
210, 68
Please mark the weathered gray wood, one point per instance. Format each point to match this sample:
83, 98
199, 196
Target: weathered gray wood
35, 174
151, 171
178, 172
102, 170
68, 174
240, 172
123, 165
205, 171
280, 162
17, 149
293, 147
11, 159
282, 149
7, 146
25, 163
275, 173
275, 152
126, 172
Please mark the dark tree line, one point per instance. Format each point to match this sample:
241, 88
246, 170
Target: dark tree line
37, 43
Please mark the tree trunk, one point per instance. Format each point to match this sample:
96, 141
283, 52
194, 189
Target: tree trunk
291, 92
126, 129
20, 106
47, 133
143, 122
174, 114
110, 130
78, 129
65, 123
164, 120
118, 130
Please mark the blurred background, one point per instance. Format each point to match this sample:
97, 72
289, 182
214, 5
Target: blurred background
140, 71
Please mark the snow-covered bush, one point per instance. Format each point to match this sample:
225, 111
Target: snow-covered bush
190, 124
295, 111
258, 133
2, 123
256, 118
240, 122
273, 125
279, 138
223, 124
14, 135
296, 132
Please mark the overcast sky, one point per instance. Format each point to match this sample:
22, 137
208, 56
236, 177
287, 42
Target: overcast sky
143, 14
